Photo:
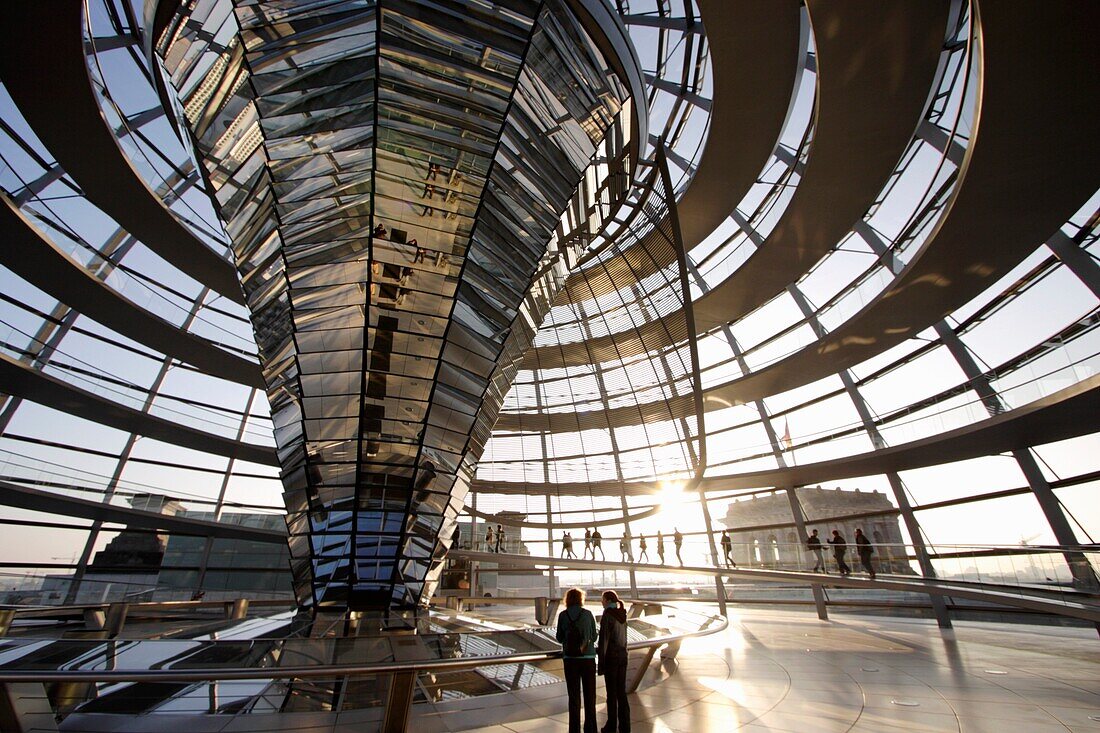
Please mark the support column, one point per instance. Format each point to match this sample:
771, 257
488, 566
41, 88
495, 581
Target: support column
912, 526
800, 525
549, 542
1079, 566
629, 541
219, 505
693, 350
905, 509
124, 457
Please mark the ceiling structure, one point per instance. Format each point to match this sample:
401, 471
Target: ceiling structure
889, 218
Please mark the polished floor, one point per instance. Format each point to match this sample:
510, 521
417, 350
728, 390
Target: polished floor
788, 671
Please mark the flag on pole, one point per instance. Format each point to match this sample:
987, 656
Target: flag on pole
786, 434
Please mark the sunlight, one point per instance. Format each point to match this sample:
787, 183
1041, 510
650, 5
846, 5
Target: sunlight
678, 509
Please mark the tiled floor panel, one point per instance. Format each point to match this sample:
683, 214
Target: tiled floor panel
791, 673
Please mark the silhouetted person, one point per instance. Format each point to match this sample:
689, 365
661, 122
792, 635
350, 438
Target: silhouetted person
456, 537
865, 550
678, 542
567, 545
727, 549
660, 547
577, 635
643, 556
489, 539
588, 543
500, 538
623, 551
840, 549
813, 544
611, 662
597, 541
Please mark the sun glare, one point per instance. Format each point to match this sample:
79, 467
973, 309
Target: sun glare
678, 509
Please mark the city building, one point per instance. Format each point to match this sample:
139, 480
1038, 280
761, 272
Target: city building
298, 296
762, 532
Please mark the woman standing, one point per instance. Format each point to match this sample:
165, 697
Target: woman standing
613, 658
577, 636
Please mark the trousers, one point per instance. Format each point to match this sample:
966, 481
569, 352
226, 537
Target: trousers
618, 707
580, 675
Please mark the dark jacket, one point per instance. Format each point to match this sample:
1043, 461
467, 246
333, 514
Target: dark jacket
839, 545
863, 545
612, 637
585, 622
813, 543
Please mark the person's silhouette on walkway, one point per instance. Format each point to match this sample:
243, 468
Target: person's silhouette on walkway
813, 544
588, 543
727, 549
500, 538
840, 549
489, 539
567, 545
597, 542
678, 542
865, 550
643, 556
660, 547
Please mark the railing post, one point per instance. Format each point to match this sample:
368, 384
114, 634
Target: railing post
95, 619
25, 708
399, 702
7, 615
235, 610
116, 619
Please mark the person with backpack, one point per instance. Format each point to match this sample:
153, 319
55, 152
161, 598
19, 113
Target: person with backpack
577, 635
611, 658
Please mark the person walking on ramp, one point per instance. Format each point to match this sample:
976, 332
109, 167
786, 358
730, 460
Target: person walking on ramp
813, 544
678, 542
840, 549
597, 542
567, 546
727, 549
865, 550
577, 635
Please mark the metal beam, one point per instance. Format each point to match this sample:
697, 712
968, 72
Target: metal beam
47, 502
44, 67
35, 258
34, 385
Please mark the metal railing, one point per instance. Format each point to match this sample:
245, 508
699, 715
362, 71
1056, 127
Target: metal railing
79, 672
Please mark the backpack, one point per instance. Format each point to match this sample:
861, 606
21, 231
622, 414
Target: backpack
575, 643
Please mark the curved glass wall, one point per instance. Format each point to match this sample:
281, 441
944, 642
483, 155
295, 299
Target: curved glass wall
600, 427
